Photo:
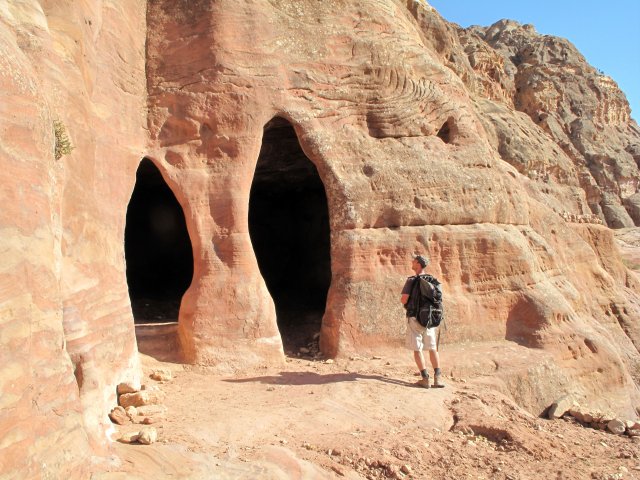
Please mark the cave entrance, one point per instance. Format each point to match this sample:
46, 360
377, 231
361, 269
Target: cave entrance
289, 229
157, 250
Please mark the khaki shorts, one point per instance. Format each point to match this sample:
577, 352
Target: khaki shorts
420, 338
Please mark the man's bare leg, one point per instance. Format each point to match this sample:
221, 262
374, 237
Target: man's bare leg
435, 359
419, 358
435, 363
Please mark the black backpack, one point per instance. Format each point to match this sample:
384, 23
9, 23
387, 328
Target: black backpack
428, 300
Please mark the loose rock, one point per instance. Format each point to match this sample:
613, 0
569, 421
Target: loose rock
136, 399
616, 426
139, 399
148, 435
119, 416
561, 406
127, 387
129, 437
161, 375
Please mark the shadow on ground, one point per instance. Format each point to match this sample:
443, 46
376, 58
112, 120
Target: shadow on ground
312, 378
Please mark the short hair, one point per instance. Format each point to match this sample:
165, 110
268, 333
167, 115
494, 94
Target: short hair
422, 260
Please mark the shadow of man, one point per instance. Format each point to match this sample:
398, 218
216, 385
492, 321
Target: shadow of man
312, 378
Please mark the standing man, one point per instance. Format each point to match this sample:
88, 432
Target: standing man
419, 337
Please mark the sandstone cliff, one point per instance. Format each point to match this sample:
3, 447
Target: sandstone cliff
498, 152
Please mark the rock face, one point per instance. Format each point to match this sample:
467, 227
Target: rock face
365, 131
67, 336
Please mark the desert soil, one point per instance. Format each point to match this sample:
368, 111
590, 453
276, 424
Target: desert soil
358, 418
362, 418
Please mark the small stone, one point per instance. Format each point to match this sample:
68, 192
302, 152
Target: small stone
119, 416
129, 437
406, 469
561, 406
304, 350
148, 420
616, 426
136, 399
127, 387
329, 361
376, 357
580, 415
161, 375
140, 399
148, 435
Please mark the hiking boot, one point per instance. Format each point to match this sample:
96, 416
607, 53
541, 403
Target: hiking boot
423, 382
437, 381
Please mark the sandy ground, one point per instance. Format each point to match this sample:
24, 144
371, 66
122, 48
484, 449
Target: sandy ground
359, 418
362, 418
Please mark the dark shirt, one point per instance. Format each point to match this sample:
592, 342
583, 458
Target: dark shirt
410, 306
406, 290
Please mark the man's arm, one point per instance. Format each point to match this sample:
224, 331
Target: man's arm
406, 291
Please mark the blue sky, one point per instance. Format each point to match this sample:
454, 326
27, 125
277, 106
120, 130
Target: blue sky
607, 33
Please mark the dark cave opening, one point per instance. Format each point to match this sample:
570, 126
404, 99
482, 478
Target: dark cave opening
289, 229
446, 131
157, 249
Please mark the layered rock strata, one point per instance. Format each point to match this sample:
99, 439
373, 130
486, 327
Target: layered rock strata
67, 333
476, 147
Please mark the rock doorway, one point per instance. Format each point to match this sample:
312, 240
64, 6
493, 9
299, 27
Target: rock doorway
158, 249
289, 229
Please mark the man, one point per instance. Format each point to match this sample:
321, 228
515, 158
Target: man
419, 337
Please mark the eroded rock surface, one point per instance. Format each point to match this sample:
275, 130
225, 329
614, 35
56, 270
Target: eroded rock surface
498, 152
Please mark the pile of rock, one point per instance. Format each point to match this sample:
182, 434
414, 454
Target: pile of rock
581, 218
312, 349
140, 405
566, 407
